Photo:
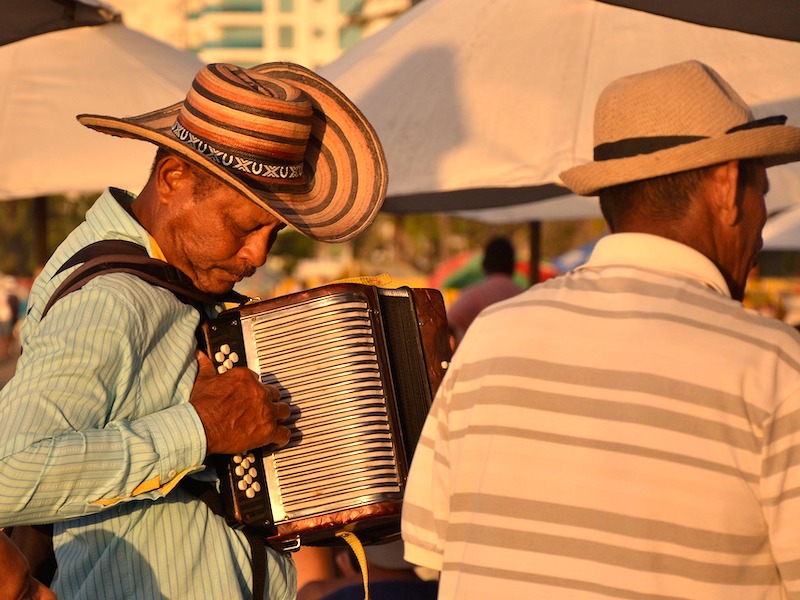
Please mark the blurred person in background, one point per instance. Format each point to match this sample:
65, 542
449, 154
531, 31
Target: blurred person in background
16, 581
499, 260
390, 577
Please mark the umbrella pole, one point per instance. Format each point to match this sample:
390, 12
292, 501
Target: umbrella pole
535, 240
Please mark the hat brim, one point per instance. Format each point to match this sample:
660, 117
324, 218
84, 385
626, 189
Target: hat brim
777, 145
345, 160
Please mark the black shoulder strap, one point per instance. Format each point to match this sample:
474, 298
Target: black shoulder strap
107, 256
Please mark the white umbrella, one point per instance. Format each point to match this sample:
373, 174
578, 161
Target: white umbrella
481, 104
47, 79
782, 231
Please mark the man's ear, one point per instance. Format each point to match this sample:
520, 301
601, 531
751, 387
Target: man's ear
722, 192
173, 174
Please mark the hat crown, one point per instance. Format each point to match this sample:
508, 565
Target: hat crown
686, 99
247, 115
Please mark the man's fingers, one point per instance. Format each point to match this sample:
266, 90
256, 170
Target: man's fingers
282, 410
282, 436
205, 366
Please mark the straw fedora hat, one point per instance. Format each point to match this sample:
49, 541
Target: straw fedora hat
673, 119
280, 134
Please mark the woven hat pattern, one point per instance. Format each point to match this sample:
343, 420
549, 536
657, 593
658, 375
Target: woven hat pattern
248, 116
673, 119
282, 135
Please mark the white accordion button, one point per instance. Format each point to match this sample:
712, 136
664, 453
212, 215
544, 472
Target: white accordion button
250, 493
234, 357
225, 349
219, 357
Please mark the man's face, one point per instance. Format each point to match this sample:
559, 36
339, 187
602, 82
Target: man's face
219, 236
16, 581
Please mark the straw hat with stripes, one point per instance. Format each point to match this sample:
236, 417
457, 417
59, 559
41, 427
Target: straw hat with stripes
280, 134
676, 118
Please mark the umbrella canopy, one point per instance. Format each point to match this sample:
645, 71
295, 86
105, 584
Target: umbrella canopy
782, 231
481, 104
47, 79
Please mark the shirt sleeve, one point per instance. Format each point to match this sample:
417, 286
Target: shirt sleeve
79, 430
426, 507
780, 489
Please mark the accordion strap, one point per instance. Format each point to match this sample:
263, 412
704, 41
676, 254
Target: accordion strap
109, 256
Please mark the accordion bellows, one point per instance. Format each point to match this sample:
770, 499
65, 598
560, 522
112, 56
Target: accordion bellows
359, 366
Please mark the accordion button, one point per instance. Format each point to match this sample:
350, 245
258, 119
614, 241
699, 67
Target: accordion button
221, 369
241, 485
250, 493
219, 357
239, 470
228, 363
251, 457
237, 458
252, 472
234, 357
248, 479
245, 463
256, 486
225, 348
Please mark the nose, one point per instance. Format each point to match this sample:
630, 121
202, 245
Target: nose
256, 246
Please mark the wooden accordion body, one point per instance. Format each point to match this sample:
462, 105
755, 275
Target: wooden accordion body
359, 366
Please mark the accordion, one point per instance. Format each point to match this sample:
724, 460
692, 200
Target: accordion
359, 366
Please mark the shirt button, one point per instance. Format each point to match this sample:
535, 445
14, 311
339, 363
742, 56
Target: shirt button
172, 474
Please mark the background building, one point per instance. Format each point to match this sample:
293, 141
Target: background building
248, 32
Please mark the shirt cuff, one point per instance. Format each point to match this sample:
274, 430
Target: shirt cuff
179, 438
422, 557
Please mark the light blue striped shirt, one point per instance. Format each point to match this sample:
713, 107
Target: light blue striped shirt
96, 429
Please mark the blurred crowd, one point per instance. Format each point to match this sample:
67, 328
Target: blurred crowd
13, 298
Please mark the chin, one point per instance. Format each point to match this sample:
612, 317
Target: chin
215, 287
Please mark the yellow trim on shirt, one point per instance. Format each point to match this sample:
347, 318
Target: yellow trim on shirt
155, 249
151, 485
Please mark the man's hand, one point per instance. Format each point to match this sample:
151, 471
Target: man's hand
238, 411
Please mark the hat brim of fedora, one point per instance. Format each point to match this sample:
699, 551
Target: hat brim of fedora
349, 176
777, 145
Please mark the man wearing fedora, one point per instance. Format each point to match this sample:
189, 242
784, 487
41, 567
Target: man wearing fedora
112, 409
629, 430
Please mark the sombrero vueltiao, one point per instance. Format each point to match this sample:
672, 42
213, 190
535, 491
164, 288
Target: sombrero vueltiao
676, 118
280, 134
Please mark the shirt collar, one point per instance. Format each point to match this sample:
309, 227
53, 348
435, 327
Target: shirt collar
656, 253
